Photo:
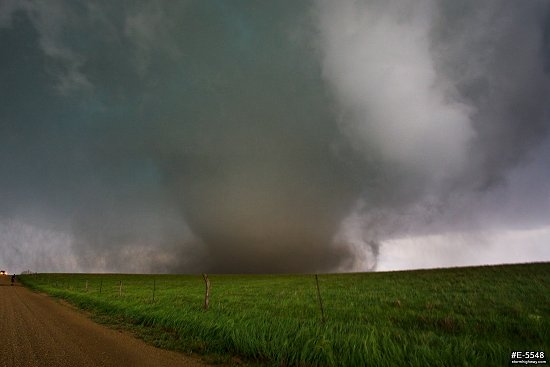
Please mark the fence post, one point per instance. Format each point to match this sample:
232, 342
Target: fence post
207, 290
120, 288
154, 288
320, 300
86, 285
100, 285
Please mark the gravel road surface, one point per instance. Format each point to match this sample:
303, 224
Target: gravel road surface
35, 330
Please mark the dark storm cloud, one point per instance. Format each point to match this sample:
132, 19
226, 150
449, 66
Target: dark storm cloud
176, 115
247, 137
447, 96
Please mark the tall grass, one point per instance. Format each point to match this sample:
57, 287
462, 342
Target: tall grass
447, 317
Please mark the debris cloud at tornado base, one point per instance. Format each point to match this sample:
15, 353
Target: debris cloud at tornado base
283, 137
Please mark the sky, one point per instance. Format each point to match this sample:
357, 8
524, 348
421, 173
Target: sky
268, 137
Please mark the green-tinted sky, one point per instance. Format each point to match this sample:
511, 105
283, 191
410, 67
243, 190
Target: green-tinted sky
266, 136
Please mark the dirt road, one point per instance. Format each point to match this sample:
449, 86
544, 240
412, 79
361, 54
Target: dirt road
38, 331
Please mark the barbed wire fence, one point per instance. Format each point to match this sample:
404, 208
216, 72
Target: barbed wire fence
123, 286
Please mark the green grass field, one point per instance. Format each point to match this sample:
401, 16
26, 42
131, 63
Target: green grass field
445, 317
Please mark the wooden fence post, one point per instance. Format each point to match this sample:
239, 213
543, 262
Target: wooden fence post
100, 285
120, 288
154, 288
207, 290
86, 285
320, 300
